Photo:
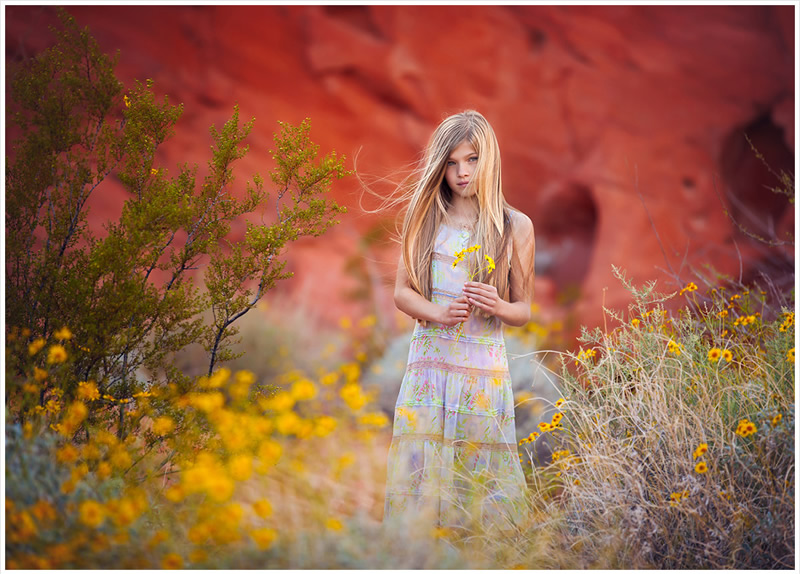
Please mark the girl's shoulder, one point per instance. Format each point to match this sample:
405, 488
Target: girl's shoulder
521, 224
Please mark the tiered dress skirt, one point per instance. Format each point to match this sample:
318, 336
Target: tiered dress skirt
453, 459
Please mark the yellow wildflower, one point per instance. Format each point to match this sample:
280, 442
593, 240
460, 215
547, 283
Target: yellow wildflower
103, 470
700, 467
714, 355
334, 524
287, 423
126, 100
281, 402
44, 512
727, 355
263, 537
153, 171
700, 450
120, 458
345, 323
171, 561
745, 428
560, 402
241, 467
24, 527
92, 513
36, 346
324, 425
67, 454
123, 512
352, 395
56, 354
374, 419
674, 348
269, 452
689, 288
87, 391
63, 334
490, 263
175, 493
635, 322
303, 390
329, 378
262, 508
776, 419
790, 355
163, 425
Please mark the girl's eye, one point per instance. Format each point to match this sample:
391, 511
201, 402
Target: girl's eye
451, 162
473, 158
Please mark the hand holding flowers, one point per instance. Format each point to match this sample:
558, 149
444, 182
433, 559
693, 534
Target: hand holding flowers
476, 294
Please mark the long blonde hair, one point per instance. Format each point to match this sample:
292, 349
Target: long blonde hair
431, 196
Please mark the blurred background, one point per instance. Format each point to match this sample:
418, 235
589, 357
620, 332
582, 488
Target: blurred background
622, 128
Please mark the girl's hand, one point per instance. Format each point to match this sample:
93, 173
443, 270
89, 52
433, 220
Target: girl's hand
456, 312
482, 296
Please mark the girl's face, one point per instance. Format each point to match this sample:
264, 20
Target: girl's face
460, 169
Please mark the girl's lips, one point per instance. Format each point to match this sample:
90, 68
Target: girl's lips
463, 183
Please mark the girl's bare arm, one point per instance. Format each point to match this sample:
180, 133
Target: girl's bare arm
412, 303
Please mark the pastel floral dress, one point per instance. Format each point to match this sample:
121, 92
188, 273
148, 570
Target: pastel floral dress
453, 454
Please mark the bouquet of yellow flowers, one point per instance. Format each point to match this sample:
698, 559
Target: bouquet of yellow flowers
473, 271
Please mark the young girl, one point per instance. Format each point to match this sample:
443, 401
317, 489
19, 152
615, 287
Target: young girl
466, 269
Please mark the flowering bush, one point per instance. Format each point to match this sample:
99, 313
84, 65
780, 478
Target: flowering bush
677, 438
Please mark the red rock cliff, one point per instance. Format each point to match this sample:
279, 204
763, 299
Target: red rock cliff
599, 110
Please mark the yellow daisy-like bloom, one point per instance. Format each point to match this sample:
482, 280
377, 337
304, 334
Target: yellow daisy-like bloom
262, 508
103, 470
490, 261
197, 556
557, 418
701, 467
67, 454
689, 288
700, 450
723, 313
240, 467
560, 402
263, 537
635, 322
92, 513
63, 334
163, 425
36, 346
56, 354
745, 428
127, 101
334, 524
714, 355
171, 561
727, 355
303, 390
776, 419
674, 348
545, 427
790, 355
87, 391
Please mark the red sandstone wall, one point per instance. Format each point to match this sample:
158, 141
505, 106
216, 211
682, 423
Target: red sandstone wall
590, 103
